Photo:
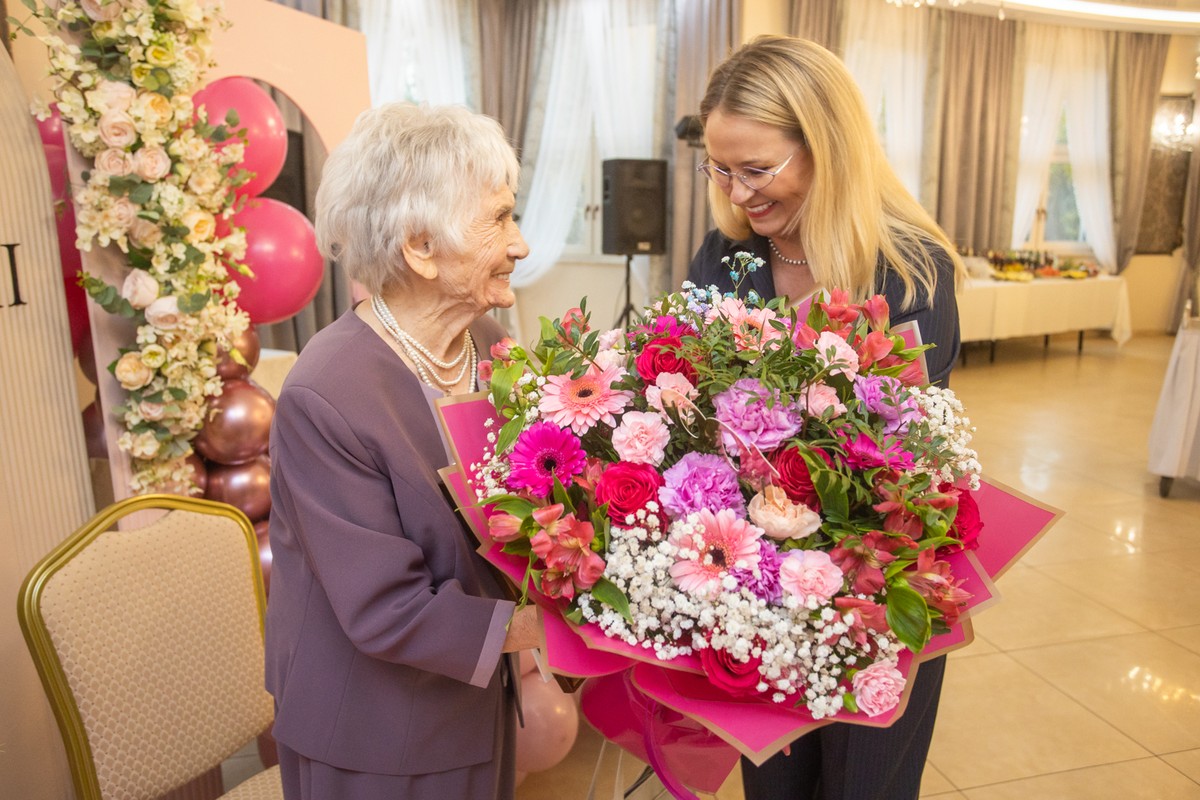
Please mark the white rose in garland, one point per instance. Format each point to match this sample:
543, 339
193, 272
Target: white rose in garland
124, 72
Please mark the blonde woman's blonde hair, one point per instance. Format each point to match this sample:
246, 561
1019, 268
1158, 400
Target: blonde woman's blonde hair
407, 170
857, 210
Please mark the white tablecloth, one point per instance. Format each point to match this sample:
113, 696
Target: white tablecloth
1175, 434
989, 310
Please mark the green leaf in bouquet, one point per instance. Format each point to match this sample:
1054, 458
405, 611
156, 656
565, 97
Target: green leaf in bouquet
512, 504
141, 193
832, 487
600, 524
194, 302
908, 616
850, 703
517, 547
561, 496
503, 380
607, 592
508, 434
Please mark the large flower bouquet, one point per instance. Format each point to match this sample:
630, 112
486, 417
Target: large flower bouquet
774, 510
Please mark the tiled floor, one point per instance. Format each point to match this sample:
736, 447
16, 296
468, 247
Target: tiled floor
1084, 682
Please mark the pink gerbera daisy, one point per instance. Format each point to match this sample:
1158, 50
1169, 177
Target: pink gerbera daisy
542, 453
579, 403
710, 545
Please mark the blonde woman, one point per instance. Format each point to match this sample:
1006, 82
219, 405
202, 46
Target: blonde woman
798, 178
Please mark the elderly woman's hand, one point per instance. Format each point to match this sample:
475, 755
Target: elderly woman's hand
525, 630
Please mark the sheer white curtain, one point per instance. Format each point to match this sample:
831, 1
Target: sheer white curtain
1085, 65
415, 50
563, 140
886, 50
622, 59
1043, 108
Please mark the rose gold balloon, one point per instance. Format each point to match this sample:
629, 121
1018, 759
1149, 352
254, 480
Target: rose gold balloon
199, 471
249, 347
261, 530
241, 422
93, 430
243, 486
551, 725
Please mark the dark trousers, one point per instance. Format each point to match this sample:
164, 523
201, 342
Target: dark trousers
854, 762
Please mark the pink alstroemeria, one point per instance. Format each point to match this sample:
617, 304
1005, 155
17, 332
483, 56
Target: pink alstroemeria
934, 580
564, 544
875, 346
862, 558
865, 617
840, 308
804, 336
484, 371
755, 330
876, 311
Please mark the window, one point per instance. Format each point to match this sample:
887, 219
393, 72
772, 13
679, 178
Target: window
1058, 220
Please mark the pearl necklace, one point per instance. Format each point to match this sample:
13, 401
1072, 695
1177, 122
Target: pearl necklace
795, 262
426, 362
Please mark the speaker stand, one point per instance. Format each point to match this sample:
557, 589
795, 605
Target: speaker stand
626, 315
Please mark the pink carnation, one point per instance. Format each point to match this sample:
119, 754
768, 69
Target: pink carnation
877, 688
811, 576
836, 353
641, 438
814, 399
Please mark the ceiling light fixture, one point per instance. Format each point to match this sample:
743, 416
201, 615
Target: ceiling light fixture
919, 3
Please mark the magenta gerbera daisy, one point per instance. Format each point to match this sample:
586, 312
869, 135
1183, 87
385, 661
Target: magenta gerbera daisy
543, 452
709, 546
579, 403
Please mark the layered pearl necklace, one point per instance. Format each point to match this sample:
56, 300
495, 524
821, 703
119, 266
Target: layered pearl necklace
427, 363
795, 262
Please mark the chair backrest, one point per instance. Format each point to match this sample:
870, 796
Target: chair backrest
149, 644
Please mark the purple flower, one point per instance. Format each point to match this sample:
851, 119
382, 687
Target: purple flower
765, 585
887, 397
542, 452
757, 416
701, 481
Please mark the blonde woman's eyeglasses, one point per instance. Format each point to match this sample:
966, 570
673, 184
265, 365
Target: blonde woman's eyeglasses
752, 177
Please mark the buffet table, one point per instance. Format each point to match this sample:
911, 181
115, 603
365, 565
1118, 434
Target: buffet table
990, 310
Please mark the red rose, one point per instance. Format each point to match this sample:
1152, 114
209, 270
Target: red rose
662, 355
967, 523
794, 477
626, 487
730, 675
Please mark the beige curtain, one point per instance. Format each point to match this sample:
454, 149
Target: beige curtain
1135, 75
818, 20
970, 178
509, 36
706, 32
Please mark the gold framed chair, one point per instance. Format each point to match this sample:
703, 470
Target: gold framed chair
149, 643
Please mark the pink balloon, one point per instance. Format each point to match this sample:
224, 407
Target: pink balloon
249, 347
266, 134
551, 725
528, 665
262, 533
244, 486
241, 422
281, 250
51, 128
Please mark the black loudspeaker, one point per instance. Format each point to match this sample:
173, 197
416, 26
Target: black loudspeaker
635, 206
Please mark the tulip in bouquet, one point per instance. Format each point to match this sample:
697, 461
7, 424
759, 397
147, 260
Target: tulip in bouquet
775, 505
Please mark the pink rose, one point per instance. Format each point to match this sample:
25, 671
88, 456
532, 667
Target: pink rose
116, 129
820, 396
877, 688
120, 215
112, 95
641, 438
114, 161
507, 350
737, 678
139, 288
131, 372
574, 324
152, 163
662, 355
164, 313
145, 233
670, 390
811, 576
836, 353
152, 411
626, 488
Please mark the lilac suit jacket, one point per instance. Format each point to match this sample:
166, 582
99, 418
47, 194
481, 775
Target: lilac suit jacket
384, 627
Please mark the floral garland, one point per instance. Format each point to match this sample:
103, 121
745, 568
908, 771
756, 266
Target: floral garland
162, 176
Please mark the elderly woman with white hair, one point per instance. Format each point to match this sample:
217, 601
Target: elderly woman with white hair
386, 632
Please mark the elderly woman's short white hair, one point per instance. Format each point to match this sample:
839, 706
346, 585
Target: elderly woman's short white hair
404, 171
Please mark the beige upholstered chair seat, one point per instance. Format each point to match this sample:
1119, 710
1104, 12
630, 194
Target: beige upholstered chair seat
149, 643
263, 786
